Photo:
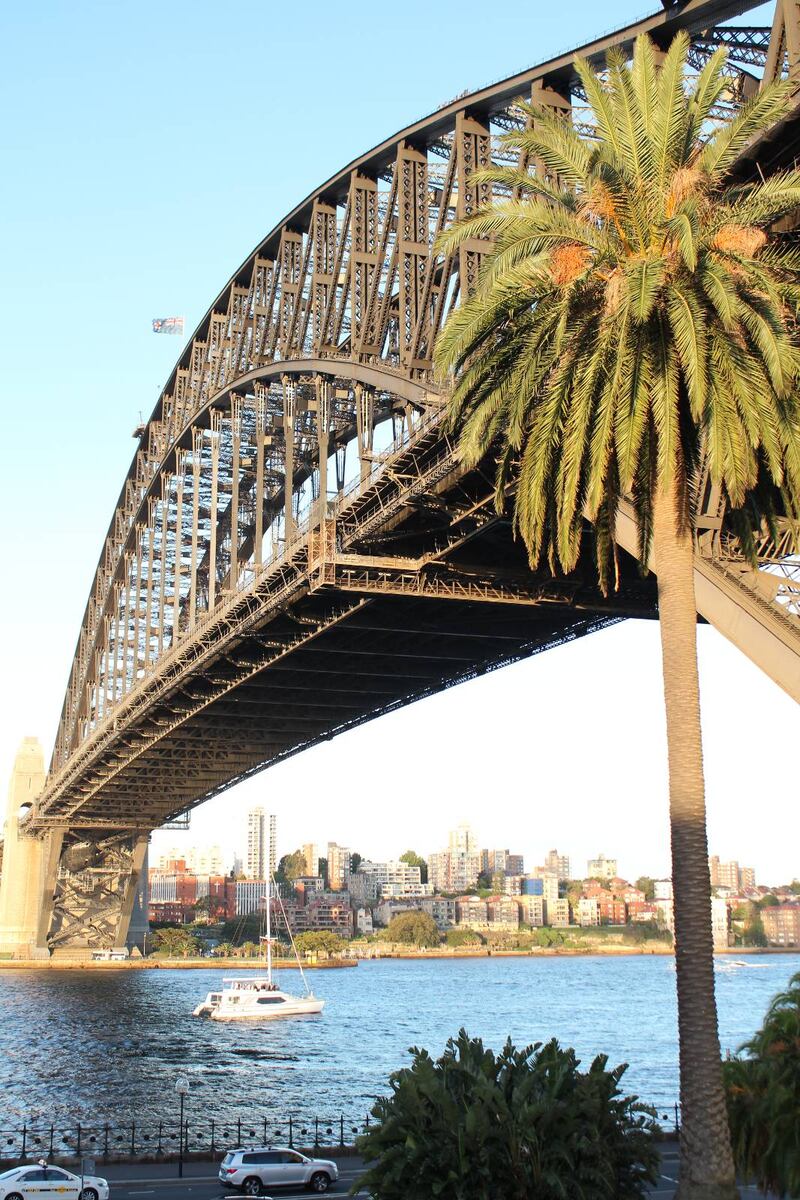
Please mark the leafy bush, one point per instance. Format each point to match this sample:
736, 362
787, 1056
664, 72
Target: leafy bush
463, 937
763, 1091
473, 1125
175, 943
414, 928
546, 936
646, 931
312, 943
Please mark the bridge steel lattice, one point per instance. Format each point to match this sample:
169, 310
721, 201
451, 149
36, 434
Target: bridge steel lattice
296, 548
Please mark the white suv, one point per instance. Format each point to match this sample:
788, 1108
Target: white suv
275, 1166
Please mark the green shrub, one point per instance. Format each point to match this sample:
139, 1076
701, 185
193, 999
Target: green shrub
473, 1125
763, 1091
413, 928
463, 937
315, 942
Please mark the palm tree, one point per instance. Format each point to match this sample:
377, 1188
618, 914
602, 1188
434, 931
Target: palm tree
633, 319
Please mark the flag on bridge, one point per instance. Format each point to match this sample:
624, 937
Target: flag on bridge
172, 325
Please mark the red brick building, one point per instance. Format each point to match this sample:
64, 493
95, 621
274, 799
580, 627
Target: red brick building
782, 924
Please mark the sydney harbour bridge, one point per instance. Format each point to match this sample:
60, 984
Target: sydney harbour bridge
296, 548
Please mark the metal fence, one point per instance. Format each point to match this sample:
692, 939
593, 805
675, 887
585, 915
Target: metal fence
171, 1139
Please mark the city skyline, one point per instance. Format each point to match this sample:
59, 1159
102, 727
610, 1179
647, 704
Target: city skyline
726, 874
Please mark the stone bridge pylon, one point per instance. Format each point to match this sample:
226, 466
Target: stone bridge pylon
57, 901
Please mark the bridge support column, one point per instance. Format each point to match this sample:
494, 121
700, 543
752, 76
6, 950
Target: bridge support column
30, 864
100, 894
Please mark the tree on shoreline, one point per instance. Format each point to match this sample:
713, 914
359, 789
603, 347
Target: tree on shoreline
473, 1125
414, 928
632, 325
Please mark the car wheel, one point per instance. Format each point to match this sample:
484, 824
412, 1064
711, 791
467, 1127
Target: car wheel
13, 1196
320, 1182
252, 1186
88, 1194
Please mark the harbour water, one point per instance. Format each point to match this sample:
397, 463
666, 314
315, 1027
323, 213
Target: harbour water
106, 1046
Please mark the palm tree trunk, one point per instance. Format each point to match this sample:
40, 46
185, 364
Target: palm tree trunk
707, 1171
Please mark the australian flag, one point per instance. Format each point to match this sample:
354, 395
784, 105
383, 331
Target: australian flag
172, 325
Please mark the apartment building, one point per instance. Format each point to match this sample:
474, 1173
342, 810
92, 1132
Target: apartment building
328, 912
531, 910
588, 911
730, 875
501, 862
720, 922
557, 864
782, 924
462, 840
472, 912
601, 867
556, 913
373, 881
454, 870
502, 914
338, 867
363, 922
441, 908
312, 856
256, 856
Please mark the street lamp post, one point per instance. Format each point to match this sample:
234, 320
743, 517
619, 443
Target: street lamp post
182, 1088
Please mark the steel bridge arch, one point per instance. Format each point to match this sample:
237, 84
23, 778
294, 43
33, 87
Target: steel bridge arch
401, 585
326, 291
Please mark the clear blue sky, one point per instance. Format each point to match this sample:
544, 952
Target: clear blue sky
146, 148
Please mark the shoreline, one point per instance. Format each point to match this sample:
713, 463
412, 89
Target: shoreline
205, 964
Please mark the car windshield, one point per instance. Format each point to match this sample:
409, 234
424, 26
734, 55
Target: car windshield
228, 1157
12, 1174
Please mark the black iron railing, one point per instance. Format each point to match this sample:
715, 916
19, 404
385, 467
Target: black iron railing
171, 1139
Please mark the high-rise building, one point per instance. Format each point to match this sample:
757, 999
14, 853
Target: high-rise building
462, 840
558, 864
730, 874
256, 860
312, 856
273, 841
338, 867
500, 862
602, 867
198, 860
454, 870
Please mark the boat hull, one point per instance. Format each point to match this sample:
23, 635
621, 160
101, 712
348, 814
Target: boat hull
297, 1008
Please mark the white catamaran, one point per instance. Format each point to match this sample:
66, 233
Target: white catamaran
257, 997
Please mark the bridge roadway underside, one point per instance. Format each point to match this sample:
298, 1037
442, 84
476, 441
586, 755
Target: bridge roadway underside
348, 646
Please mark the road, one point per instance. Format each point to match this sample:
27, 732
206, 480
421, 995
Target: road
156, 1181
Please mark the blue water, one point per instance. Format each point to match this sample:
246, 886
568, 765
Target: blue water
96, 1047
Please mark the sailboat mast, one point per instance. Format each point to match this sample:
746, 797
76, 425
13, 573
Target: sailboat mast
269, 910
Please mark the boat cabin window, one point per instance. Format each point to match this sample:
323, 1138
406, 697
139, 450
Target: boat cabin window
270, 1000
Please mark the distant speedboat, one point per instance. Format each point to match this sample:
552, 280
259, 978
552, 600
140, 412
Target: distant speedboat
255, 998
